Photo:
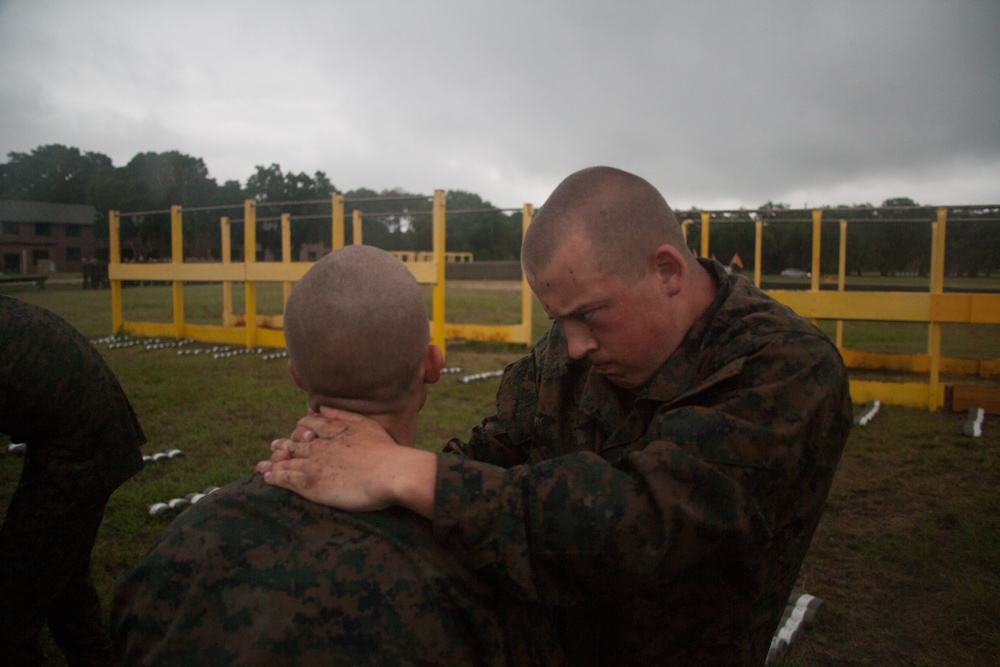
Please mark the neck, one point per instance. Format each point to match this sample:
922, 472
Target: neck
401, 425
705, 290
402, 428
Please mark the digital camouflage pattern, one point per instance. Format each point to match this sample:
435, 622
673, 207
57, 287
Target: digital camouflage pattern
256, 575
57, 395
670, 523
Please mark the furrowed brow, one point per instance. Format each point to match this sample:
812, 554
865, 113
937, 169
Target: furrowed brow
576, 312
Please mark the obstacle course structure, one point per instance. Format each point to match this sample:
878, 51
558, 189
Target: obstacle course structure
933, 307
254, 329
251, 329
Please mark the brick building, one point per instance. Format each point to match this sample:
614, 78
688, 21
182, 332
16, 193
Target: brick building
39, 237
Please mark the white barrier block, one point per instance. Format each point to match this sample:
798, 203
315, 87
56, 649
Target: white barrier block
480, 376
156, 509
867, 413
973, 426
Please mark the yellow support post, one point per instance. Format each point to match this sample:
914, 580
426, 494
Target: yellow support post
938, 228
176, 258
842, 277
684, 229
817, 217
934, 351
114, 259
526, 305
286, 252
356, 229
438, 231
758, 246
250, 257
338, 222
937, 251
705, 217
227, 257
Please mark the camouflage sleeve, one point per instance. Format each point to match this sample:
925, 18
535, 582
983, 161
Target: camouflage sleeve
504, 439
713, 472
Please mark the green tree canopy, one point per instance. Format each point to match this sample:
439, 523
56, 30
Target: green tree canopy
891, 238
52, 173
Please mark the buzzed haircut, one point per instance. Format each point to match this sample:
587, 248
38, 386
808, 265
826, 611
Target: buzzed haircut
622, 216
356, 330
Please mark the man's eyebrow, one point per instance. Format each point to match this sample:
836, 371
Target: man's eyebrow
577, 310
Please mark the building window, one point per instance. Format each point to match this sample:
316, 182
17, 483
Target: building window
43, 229
73, 230
73, 254
11, 228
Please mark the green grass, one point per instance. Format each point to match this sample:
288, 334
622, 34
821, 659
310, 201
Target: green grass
961, 340
906, 555
222, 413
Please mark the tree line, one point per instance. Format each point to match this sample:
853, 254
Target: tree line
151, 183
888, 239
891, 239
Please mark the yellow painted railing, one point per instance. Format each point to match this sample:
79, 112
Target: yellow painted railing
933, 307
255, 330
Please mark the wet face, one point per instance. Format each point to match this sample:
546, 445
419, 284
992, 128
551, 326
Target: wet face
624, 328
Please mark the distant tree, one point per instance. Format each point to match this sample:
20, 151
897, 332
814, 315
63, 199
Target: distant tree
862, 241
481, 229
787, 237
904, 237
52, 173
732, 233
277, 192
161, 180
972, 246
267, 184
388, 217
230, 192
153, 182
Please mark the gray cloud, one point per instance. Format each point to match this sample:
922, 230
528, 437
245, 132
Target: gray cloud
717, 103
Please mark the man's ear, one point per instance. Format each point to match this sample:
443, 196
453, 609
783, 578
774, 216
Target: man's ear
295, 378
670, 267
433, 363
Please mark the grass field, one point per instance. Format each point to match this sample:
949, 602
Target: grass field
907, 555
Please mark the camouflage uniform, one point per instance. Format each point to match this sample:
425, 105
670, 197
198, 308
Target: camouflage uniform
256, 575
58, 396
667, 524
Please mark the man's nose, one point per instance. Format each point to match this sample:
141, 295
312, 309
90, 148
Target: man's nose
579, 339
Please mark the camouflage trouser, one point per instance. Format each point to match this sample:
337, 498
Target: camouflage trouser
45, 577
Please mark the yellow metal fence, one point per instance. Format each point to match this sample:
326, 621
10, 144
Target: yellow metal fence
933, 307
252, 329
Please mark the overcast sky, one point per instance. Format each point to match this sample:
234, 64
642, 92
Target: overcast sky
718, 104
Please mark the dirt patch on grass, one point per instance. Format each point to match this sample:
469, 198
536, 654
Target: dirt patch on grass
906, 556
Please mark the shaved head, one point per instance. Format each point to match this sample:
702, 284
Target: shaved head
622, 216
356, 330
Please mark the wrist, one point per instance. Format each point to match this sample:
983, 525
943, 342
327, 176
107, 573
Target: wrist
413, 484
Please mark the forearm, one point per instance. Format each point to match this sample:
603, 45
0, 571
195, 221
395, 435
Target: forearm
568, 530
